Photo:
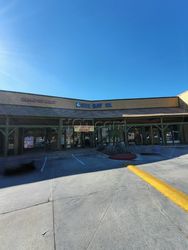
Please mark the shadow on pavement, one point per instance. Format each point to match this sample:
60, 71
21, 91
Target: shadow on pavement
75, 162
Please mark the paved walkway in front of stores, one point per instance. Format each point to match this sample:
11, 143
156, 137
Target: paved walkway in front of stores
83, 200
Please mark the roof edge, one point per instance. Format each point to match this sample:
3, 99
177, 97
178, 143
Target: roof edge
87, 100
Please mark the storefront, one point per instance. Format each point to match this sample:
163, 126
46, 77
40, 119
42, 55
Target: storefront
30, 123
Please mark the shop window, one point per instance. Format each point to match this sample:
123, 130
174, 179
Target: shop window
34, 139
172, 134
135, 136
69, 137
77, 139
29, 142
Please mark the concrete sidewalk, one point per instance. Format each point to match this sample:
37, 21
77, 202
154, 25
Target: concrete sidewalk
98, 205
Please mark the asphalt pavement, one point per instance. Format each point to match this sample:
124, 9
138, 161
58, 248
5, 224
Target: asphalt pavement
83, 200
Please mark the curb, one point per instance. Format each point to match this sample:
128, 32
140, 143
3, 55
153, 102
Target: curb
175, 195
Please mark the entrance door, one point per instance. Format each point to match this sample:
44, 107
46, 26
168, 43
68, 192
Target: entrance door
87, 139
157, 137
82, 139
84, 134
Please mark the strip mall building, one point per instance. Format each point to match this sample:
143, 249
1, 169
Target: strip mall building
30, 122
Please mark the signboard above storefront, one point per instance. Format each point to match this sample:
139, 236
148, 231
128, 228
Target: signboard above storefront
98, 105
37, 100
26, 99
84, 128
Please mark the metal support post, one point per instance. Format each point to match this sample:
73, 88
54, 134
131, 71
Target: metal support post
59, 134
162, 132
126, 136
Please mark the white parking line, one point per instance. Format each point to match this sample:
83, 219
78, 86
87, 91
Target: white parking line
78, 160
102, 156
44, 163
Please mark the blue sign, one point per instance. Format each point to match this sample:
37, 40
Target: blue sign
83, 105
78, 105
108, 105
98, 105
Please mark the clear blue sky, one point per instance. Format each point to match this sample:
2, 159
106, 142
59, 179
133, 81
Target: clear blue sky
94, 49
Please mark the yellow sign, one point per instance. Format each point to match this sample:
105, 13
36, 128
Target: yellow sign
84, 128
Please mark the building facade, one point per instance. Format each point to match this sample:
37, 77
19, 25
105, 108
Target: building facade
30, 122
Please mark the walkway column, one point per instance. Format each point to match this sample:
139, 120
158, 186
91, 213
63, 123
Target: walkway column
126, 137
162, 131
181, 134
151, 134
6, 137
92, 139
16, 141
59, 134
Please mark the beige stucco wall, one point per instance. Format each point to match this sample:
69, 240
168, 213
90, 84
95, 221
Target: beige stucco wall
34, 100
46, 101
145, 103
184, 99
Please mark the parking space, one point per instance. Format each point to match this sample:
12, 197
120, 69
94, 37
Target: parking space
84, 200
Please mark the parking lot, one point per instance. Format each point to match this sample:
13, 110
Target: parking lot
83, 200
